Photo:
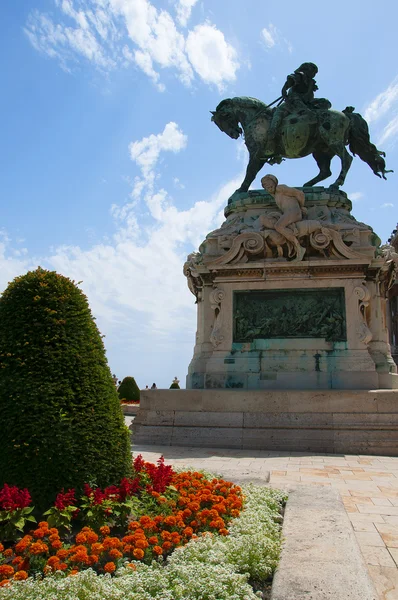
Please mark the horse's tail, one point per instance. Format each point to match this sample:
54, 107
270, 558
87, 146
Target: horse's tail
360, 144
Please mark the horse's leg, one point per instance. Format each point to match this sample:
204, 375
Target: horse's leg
255, 164
323, 160
346, 160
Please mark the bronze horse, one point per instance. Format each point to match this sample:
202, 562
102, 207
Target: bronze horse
321, 132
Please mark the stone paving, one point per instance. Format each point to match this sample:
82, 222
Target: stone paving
368, 486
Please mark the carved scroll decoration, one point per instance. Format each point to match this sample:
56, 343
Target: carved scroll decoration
242, 247
216, 297
363, 331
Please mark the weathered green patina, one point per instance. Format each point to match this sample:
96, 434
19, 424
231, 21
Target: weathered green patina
299, 126
298, 313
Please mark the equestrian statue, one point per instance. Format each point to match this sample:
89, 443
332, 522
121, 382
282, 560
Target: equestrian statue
300, 125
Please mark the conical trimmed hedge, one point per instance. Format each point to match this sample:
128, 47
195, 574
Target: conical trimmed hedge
60, 414
129, 390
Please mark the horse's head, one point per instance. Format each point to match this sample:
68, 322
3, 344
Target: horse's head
378, 164
226, 120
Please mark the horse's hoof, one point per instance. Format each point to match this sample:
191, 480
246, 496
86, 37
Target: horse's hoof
334, 186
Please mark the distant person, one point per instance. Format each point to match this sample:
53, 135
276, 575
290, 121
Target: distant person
153, 386
114, 379
147, 387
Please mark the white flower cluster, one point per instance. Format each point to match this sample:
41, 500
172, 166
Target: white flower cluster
207, 568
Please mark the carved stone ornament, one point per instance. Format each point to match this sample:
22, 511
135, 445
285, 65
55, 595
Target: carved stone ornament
266, 242
216, 298
193, 278
363, 331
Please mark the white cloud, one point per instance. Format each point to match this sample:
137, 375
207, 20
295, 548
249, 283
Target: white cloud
390, 130
383, 112
355, 196
387, 205
146, 151
272, 37
211, 56
382, 104
112, 33
184, 9
178, 183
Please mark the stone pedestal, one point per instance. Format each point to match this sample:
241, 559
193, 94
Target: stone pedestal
340, 421
269, 319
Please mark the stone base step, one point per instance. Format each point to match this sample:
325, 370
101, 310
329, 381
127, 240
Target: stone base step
337, 421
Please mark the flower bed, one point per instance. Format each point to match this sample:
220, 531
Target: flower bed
188, 539
129, 402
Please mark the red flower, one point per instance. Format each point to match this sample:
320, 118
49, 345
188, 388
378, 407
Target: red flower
65, 499
138, 463
128, 487
12, 498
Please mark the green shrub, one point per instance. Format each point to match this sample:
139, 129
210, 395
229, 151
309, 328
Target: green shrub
61, 420
129, 390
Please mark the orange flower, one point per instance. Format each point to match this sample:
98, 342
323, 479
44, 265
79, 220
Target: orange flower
61, 567
115, 554
39, 533
133, 525
153, 540
43, 525
170, 521
138, 553
113, 542
175, 537
52, 561
62, 554
8, 553
1, 547
17, 560
105, 530
141, 544
157, 550
92, 537
94, 559
23, 544
81, 538
38, 548
128, 539
132, 566
5, 583
20, 576
56, 544
110, 567
53, 531
97, 548
188, 531
167, 546
74, 572
6, 571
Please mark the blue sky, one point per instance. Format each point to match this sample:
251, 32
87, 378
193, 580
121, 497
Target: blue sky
111, 171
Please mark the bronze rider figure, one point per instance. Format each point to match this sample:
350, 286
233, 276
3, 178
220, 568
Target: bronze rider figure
297, 96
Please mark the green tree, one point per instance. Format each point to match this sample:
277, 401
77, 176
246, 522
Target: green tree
129, 390
61, 420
